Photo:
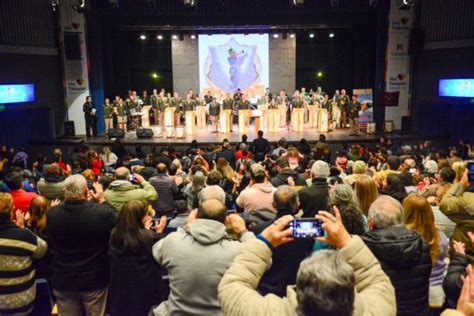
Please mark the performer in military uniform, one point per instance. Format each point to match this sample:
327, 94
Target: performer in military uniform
353, 111
145, 98
343, 105
190, 118
121, 112
108, 115
228, 104
297, 112
214, 111
162, 103
154, 105
284, 107
243, 107
175, 102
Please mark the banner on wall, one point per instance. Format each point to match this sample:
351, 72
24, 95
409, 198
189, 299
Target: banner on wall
74, 56
397, 75
366, 115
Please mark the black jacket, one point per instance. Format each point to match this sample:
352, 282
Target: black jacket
282, 178
260, 148
314, 198
286, 261
452, 283
78, 233
405, 258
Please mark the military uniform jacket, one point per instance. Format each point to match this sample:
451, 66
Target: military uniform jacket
227, 104
188, 105
214, 109
162, 103
243, 105
154, 101
108, 111
297, 104
176, 103
346, 99
354, 109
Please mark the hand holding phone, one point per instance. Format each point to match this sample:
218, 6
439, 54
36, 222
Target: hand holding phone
306, 228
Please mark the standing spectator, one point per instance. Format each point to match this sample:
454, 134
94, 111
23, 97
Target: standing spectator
315, 197
94, 162
261, 147
418, 216
286, 259
367, 192
345, 199
21, 159
166, 189
285, 172
191, 191
58, 160
259, 193
135, 278
403, 255
19, 247
205, 240
393, 163
52, 184
79, 232
182, 214
281, 147
226, 153
21, 198
122, 190
359, 168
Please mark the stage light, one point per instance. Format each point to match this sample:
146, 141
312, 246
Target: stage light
292, 35
174, 36
311, 35
275, 35
159, 37
331, 35
189, 3
319, 74
193, 36
154, 75
142, 37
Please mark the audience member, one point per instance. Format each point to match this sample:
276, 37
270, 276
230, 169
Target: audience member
182, 214
314, 198
284, 173
51, 186
402, 253
191, 191
393, 187
21, 198
261, 147
345, 199
359, 168
367, 193
259, 193
166, 189
122, 190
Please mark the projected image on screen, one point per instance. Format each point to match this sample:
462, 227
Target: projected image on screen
17, 93
462, 88
231, 62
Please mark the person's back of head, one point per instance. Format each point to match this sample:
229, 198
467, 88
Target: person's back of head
393, 162
214, 178
320, 169
406, 178
172, 169
52, 170
212, 209
447, 174
6, 207
319, 278
14, 180
181, 206
148, 162
126, 236
122, 173
75, 187
285, 200
385, 212
359, 167
260, 134
212, 192
161, 168
257, 173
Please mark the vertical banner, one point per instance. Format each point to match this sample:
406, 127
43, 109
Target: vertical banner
397, 75
74, 56
366, 115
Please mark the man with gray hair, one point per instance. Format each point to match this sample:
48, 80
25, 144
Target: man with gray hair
352, 272
315, 197
212, 192
78, 234
403, 255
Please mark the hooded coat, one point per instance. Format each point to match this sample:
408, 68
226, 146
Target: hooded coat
256, 197
196, 259
405, 258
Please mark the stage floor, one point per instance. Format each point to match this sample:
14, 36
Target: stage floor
206, 137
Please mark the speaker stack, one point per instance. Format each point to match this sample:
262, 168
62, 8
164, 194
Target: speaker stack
144, 133
116, 133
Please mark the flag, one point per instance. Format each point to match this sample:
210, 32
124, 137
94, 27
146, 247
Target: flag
389, 98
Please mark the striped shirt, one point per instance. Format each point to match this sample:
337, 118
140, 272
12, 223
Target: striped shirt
18, 248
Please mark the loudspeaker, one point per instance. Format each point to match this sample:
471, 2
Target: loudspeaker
406, 125
116, 133
69, 128
144, 133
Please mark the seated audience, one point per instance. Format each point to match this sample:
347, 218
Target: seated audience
78, 232
314, 198
21, 198
285, 172
193, 283
345, 199
259, 193
135, 277
402, 253
392, 186
393, 163
166, 189
191, 191
122, 190
182, 214
359, 168
19, 247
327, 272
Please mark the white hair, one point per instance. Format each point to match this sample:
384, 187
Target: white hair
74, 187
386, 212
212, 192
320, 169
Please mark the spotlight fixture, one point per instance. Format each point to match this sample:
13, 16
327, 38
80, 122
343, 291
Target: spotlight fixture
80, 6
292, 35
55, 4
319, 74
142, 37
331, 35
159, 37
311, 35
154, 75
275, 35
297, 2
192, 36
174, 36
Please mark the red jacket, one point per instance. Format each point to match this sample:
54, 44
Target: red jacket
22, 200
96, 166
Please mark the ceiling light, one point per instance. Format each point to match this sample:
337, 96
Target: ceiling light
143, 37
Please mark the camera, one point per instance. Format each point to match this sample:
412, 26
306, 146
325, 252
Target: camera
306, 228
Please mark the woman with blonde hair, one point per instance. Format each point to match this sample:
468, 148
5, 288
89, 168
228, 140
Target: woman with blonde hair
459, 168
418, 216
367, 192
228, 174
109, 158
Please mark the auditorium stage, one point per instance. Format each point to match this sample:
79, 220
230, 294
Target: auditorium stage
205, 137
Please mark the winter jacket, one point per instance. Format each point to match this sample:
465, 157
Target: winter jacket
51, 188
458, 206
196, 259
405, 258
314, 198
258, 196
452, 283
282, 178
237, 294
121, 191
